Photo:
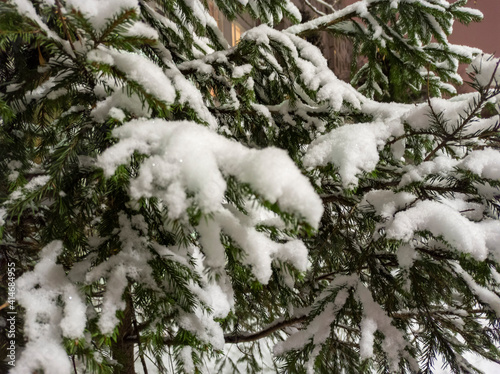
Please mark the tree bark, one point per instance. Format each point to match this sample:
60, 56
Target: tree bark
123, 349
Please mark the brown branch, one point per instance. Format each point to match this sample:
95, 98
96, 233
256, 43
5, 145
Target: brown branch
315, 26
336, 199
241, 337
249, 337
74, 364
4, 305
65, 27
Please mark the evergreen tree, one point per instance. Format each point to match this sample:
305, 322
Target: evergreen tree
165, 196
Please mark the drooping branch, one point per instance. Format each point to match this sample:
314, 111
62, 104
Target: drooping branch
249, 337
324, 22
242, 337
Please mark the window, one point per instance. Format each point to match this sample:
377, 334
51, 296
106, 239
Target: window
231, 30
236, 30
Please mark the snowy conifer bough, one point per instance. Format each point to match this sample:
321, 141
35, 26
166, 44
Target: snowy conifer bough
166, 197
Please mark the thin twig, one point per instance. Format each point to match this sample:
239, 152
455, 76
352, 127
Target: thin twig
249, 337
484, 97
137, 333
65, 27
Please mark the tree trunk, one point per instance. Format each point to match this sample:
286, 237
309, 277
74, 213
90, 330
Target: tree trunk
123, 350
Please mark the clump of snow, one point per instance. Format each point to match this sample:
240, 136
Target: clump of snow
204, 327
100, 56
440, 220
216, 294
375, 318
145, 72
471, 210
491, 231
112, 301
190, 95
142, 29
294, 252
213, 249
485, 69
481, 124
101, 12
118, 99
240, 71
485, 163
386, 202
26, 8
313, 67
450, 112
293, 10
185, 156
406, 256
352, 148
3, 214
130, 263
482, 293
259, 249
163, 85
187, 359
117, 113
368, 328
441, 165
54, 308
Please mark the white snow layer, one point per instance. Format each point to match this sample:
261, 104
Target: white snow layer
483, 294
485, 69
167, 85
100, 12
352, 148
131, 262
54, 309
375, 318
188, 164
185, 156
314, 70
485, 163
440, 220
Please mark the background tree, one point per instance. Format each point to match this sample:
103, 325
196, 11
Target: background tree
403, 45
164, 194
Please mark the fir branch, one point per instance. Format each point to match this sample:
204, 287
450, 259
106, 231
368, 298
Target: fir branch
65, 26
483, 98
272, 328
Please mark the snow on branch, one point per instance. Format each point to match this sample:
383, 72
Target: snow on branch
184, 156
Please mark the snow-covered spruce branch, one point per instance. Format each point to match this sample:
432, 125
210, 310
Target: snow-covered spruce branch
485, 95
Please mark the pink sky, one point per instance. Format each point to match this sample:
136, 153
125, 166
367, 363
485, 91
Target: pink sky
485, 34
